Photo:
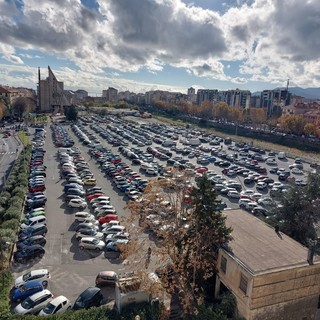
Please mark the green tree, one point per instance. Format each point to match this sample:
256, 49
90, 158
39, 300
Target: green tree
71, 113
7, 237
298, 214
207, 232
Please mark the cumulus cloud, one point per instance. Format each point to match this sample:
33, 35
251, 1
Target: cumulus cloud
272, 39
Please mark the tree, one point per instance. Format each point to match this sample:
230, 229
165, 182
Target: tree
207, 232
71, 113
298, 214
20, 106
190, 233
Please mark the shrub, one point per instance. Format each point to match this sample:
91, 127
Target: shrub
2, 210
12, 224
8, 187
12, 213
16, 201
3, 201
6, 284
6, 195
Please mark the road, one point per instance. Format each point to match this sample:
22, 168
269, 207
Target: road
8, 147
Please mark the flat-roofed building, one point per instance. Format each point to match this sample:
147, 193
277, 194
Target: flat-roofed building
268, 272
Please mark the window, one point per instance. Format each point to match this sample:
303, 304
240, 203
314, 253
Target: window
243, 283
223, 264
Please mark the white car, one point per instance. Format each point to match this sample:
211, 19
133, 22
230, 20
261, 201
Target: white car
265, 201
134, 195
42, 275
100, 204
113, 230
82, 233
103, 208
256, 196
271, 161
77, 203
296, 171
251, 205
233, 194
57, 305
248, 192
91, 243
110, 224
242, 202
34, 303
261, 185
99, 199
151, 171
83, 215
116, 236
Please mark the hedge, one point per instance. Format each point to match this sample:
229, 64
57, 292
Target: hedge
12, 213
6, 280
11, 224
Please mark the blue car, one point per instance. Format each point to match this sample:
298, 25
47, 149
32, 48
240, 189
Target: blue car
26, 290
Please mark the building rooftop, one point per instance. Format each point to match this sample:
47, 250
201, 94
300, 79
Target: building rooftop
259, 248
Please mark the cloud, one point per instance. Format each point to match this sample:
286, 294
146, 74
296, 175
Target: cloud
272, 39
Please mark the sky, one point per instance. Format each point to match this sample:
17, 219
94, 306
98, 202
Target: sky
143, 45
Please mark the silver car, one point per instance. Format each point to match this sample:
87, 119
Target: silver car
91, 243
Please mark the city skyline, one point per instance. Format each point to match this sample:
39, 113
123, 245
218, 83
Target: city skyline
143, 45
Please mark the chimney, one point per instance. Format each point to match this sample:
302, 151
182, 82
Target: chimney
311, 250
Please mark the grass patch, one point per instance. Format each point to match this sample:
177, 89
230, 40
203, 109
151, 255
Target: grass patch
23, 138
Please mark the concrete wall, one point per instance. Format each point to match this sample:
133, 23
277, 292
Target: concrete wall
291, 294
231, 279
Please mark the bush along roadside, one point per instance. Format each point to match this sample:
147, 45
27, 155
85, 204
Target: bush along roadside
11, 204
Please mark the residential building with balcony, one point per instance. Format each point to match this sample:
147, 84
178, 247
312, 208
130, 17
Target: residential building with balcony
111, 94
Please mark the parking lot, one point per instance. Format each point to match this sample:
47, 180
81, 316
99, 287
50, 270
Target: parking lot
73, 270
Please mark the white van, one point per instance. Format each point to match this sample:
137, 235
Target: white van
282, 155
34, 221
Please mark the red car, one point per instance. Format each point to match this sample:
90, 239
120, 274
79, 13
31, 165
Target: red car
95, 195
107, 218
37, 188
201, 169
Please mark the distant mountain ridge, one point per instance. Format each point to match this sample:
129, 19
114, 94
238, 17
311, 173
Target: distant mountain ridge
308, 93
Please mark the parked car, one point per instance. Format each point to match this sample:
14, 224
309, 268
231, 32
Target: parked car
91, 243
57, 305
39, 239
105, 278
39, 229
89, 233
42, 275
115, 246
83, 215
26, 290
28, 253
107, 218
89, 182
91, 297
34, 303
77, 203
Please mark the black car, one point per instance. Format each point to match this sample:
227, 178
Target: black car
91, 297
28, 253
36, 204
39, 239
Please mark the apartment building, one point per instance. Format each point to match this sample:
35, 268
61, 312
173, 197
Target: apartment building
207, 95
236, 98
111, 94
271, 275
